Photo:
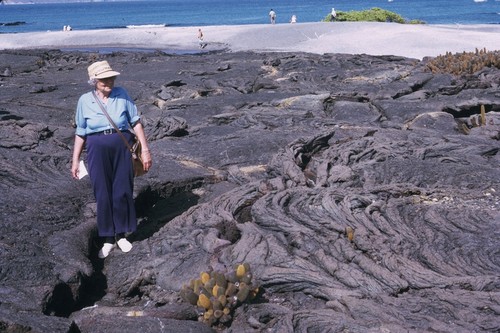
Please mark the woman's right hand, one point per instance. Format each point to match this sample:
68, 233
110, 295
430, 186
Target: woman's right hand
75, 166
75, 169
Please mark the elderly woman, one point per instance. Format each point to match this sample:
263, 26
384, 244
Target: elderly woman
109, 160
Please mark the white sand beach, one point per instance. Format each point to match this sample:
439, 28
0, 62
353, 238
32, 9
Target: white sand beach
414, 41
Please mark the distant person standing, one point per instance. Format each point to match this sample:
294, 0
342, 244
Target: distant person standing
293, 19
334, 15
272, 16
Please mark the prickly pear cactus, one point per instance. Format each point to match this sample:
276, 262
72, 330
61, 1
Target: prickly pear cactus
218, 294
464, 63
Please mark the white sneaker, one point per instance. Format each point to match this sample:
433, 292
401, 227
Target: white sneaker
106, 250
124, 245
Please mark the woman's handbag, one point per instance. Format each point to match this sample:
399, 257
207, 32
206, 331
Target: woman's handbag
135, 149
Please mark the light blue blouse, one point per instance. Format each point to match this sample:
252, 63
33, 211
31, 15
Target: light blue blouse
89, 117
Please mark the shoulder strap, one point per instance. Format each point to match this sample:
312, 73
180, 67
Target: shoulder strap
112, 122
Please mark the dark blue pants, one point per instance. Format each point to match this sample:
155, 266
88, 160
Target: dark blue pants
111, 174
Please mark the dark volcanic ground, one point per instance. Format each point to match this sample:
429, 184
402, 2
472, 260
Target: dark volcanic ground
363, 191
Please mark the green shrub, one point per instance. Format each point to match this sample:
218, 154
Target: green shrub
370, 15
415, 22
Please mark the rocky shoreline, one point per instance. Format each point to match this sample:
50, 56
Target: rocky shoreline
362, 190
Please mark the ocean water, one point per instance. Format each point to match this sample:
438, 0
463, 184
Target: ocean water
104, 14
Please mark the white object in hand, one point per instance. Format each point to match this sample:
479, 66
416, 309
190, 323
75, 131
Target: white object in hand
82, 170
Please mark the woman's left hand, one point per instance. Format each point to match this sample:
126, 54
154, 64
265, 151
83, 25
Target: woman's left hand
146, 159
145, 153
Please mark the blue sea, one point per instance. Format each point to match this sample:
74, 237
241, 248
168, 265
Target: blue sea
104, 14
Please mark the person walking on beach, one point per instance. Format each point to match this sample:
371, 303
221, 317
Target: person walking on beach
200, 39
109, 160
272, 16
